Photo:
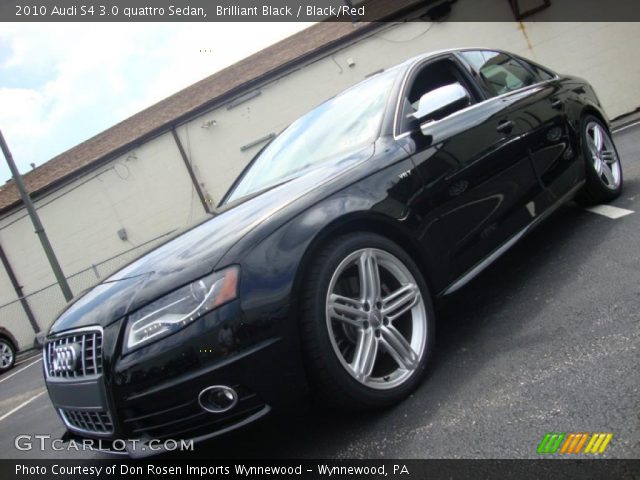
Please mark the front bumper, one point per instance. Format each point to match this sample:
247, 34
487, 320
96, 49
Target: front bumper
152, 393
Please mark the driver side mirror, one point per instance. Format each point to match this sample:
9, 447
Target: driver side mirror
441, 102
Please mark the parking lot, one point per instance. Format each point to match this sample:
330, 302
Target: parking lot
547, 339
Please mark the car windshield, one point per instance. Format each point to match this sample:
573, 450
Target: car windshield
344, 124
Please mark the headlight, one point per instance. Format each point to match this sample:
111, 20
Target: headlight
179, 308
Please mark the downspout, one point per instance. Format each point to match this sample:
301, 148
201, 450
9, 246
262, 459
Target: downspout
192, 175
18, 289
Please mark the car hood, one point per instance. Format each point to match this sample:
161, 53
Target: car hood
194, 253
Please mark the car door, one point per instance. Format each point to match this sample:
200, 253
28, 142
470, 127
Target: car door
478, 182
542, 114
551, 143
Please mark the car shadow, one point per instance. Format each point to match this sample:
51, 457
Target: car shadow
501, 302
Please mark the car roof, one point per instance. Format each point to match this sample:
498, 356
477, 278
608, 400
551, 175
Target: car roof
435, 53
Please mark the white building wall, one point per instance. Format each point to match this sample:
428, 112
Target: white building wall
151, 194
583, 49
146, 191
12, 316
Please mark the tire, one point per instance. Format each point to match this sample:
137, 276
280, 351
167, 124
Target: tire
7, 355
336, 329
604, 177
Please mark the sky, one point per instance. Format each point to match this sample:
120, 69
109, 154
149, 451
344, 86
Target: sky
60, 84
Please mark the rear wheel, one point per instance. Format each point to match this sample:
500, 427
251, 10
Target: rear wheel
603, 170
7, 355
367, 322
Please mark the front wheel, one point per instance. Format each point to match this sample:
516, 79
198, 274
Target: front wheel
603, 169
367, 322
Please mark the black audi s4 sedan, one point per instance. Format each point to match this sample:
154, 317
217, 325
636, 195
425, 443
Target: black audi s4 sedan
318, 272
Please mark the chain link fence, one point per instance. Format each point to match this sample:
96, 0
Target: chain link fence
47, 303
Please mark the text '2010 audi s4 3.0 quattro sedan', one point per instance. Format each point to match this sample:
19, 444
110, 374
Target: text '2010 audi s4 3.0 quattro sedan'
319, 269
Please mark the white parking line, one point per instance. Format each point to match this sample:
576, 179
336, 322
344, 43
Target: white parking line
610, 211
18, 371
24, 404
22, 362
622, 129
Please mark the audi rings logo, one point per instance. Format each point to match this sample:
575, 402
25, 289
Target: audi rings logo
65, 358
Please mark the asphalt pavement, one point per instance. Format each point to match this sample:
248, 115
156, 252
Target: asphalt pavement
546, 340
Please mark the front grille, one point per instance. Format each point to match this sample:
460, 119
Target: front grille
89, 347
88, 421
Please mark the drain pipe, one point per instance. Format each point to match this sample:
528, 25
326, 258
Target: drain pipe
18, 289
37, 224
192, 174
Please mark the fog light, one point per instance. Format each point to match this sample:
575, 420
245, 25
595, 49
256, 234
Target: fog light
218, 399
568, 153
554, 134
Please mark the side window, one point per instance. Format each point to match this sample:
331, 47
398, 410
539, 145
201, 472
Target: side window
434, 75
542, 74
500, 72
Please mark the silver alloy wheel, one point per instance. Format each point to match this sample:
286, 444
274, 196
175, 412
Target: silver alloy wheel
376, 318
6, 354
603, 155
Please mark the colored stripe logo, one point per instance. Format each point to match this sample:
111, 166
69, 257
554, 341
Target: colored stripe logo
574, 443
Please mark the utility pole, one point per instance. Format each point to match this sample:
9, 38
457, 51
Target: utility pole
37, 224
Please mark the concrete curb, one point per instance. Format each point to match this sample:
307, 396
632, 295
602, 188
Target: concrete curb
27, 354
625, 121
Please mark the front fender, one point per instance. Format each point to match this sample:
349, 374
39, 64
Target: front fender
270, 257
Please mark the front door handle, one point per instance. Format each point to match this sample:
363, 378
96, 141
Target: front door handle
505, 126
557, 103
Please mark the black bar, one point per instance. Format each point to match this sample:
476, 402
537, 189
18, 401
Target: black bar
391, 469
515, 4
315, 10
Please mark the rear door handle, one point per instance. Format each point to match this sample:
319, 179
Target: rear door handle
505, 126
557, 103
